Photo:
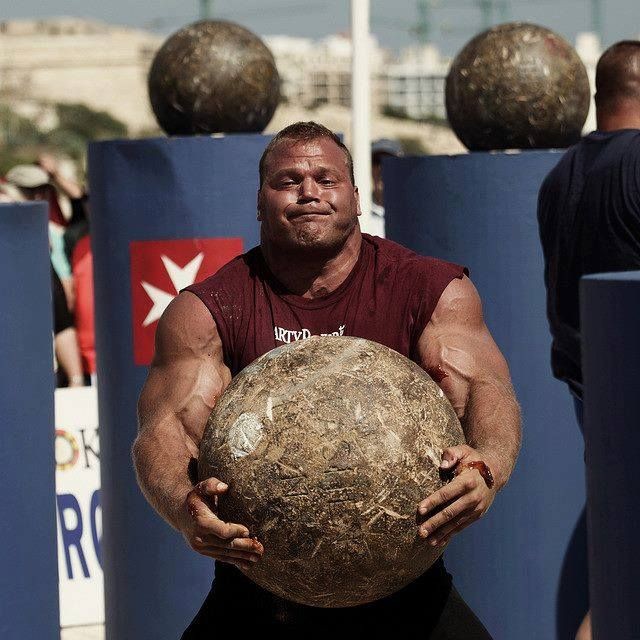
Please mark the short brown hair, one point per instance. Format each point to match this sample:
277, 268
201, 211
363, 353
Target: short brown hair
304, 132
618, 73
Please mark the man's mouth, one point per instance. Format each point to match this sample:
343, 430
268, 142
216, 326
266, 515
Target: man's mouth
294, 215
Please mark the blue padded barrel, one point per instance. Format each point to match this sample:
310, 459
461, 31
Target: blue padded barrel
150, 190
610, 316
521, 567
28, 551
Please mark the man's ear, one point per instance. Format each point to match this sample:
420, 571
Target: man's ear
356, 193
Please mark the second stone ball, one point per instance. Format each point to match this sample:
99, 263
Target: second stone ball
517, 86
213, 77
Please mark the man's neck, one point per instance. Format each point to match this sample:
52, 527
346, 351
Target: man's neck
312, 277
625, 117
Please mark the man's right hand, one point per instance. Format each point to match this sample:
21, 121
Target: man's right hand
210, 536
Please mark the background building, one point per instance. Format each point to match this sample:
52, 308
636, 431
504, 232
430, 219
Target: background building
314, 73
71, 60
415, 83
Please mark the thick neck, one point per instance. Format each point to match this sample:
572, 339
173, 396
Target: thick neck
309, 275
625, 116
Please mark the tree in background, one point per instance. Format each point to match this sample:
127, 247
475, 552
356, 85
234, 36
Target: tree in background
88, 124
21, 140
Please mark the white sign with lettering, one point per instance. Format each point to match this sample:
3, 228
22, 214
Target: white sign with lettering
78, 507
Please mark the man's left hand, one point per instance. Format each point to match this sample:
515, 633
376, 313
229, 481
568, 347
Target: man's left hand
463, 500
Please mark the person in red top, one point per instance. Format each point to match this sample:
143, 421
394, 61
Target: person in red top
82, 269
316, 273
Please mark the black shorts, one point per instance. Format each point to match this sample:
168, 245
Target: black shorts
430, 605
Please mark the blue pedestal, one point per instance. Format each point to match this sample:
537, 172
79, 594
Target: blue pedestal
523, 567
154, 202
610, 310
28, 552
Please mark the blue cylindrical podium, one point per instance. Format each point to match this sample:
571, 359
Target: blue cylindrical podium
523, 567
610, 315
28, 551
165, 212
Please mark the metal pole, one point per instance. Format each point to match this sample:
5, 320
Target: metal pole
423, 29
505, 10
486, 10
206, 9
596, 18
361, 106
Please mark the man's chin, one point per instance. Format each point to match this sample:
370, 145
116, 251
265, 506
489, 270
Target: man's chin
312, 239
312, 242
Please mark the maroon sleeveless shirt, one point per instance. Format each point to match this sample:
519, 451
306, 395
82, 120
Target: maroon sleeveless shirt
388, 297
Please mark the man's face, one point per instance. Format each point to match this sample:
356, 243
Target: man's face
307, 200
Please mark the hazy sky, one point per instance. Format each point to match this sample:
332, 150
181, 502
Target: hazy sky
453, 21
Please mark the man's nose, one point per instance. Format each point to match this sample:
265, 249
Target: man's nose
308, 190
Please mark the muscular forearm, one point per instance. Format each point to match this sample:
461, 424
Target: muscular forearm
491, 424
161, 456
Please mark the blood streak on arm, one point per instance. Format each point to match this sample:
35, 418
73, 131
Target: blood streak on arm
437, 373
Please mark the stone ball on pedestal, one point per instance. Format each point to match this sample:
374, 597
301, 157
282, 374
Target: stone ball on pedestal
213, 77
517, 86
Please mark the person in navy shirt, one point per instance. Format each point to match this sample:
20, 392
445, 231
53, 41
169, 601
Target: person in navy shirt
589, 212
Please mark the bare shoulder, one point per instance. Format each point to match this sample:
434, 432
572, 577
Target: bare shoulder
186, 329
456, 346
459, 304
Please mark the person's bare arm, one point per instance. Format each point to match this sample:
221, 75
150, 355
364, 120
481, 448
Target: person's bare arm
69, 187
185, 379
457, 348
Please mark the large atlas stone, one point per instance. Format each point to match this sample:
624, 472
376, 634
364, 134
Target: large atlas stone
213, 77
328, 445
517, 86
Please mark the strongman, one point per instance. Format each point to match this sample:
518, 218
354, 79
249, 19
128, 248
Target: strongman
315, 273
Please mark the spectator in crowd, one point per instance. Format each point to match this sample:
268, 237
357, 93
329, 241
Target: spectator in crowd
77, 249
71, 262
33, 184
380, 149
82, 270
77, 225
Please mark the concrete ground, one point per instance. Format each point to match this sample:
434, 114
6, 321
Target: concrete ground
94, 632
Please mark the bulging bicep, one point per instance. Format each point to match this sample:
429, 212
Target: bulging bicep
187, 374
456, 348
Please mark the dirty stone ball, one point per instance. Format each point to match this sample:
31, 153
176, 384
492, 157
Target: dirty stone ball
517, 86
213, 77
328, 445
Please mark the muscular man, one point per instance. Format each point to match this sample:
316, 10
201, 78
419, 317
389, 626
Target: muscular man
589, 212
314, 272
